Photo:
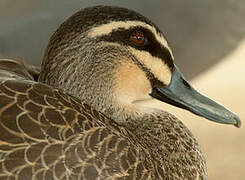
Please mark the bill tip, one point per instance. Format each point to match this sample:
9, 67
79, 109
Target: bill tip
238, 122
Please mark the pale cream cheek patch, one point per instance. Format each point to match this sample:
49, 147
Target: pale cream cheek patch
132, 90
131, 83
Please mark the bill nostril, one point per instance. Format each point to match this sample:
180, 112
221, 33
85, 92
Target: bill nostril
186, 83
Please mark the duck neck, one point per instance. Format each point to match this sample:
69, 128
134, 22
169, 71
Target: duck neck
169, 143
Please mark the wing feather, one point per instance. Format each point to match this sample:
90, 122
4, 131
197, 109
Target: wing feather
48, 134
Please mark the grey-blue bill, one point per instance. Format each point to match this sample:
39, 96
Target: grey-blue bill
180, 93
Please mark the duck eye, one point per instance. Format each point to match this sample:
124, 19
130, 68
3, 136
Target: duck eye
138, 38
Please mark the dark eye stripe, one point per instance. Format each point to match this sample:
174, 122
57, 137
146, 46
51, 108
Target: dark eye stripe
122, 36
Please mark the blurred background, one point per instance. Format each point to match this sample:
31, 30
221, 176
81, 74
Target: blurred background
208, 40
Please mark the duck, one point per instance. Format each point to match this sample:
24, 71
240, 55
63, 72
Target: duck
85, 113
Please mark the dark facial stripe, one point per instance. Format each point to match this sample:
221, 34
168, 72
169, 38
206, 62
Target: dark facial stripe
155, 82
122, 36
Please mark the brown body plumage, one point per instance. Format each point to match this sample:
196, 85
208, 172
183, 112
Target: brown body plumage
82, 119
46, 134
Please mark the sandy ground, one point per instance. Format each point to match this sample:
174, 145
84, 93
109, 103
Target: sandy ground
223, 145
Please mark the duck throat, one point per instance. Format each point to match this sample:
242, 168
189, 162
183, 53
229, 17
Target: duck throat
172, 148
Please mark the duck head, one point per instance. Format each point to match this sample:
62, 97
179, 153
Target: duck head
113, 58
